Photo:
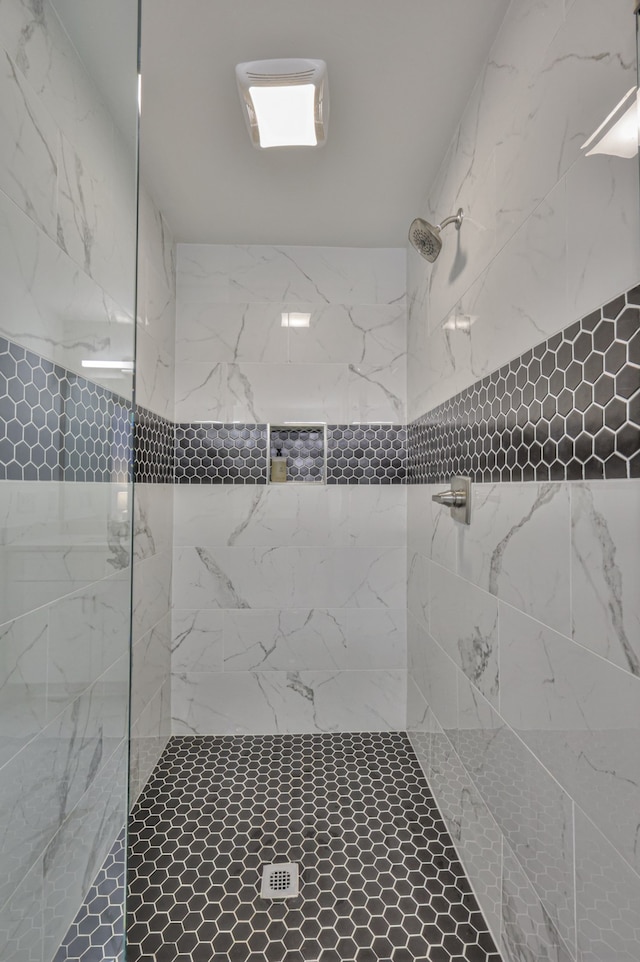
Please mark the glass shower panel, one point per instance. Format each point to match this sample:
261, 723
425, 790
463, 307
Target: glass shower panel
68, 195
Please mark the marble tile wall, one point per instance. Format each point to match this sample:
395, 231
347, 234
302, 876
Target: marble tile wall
68, 179
153, 498
523, 629
289, 604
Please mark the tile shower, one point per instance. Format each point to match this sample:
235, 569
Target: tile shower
440, 724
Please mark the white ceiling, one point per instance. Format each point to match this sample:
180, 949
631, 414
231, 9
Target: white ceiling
400, 72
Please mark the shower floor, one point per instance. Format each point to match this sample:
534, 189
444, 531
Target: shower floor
380, 879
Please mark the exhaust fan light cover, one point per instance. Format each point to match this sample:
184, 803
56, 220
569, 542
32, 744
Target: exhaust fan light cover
285, 102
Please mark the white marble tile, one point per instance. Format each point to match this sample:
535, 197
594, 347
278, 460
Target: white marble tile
23, 681
76, 853
307, 274
375, 514
276, 702
151, 593
28, 153
286, 640
434, 674
153, 519
474, 832
289, 577
464, 621
607, 898
376, 639
581, 717
528, 931
603, 228
21, 932
442, 531
518, 548
605, 570
418, 577
154, 376
197, 640
370, 334
210, 331
157, 308
157, 241
150, 664
533, 812
200, 393
270, 515
287, 392
50, 305
377, 393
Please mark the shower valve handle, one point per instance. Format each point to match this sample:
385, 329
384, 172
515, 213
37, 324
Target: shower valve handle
457, 499
452, 499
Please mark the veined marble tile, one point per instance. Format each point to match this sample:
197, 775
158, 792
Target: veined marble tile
23, 681
376, 514
286, 640
21, 922
151, 593
377, 393
420, 725
605, 570
376, 639
603, 228
581, 717
289, 577
275, 702
528, 931
253, 332
74, 856
50, 305
464, 621
607, 898
153, 519
418, 578
200, 392
197, 640
533, 812
588, 66
88, 631
434, 674
154, 376
518, 548
270, 515
43, 783
287, 392
157, 309
150, 664
369, 334
157, 241
28, 154
475, 834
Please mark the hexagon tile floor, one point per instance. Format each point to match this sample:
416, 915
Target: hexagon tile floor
380, 879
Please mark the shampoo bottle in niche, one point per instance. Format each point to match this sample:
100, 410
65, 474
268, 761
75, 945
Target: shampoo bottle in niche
278, 467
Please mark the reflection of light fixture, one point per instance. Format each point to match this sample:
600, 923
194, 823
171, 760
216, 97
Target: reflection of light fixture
460, 322
286, 102
295, 319
125, 366
617, 135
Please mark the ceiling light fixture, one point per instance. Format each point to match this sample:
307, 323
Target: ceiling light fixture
286, 102
295, 319
617, 135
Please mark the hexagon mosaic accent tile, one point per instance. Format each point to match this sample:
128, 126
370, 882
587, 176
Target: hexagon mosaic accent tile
214, 453
154, 443
97, 932
380, 879
58, 426
569, 409
304, 450
366, 453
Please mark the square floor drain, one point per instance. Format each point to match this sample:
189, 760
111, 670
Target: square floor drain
279, 880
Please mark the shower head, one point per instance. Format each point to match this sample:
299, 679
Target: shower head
426, 238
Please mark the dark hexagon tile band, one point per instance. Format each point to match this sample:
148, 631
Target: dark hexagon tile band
97, 932
58, 426
366, 454
213, 453
154, 448
380, 879
569, 409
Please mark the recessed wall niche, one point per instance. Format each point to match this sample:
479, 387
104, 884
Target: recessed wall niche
304, 448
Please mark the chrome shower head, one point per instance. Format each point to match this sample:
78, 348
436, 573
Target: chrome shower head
426, 238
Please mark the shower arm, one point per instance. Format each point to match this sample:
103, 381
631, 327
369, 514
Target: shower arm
456, 219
